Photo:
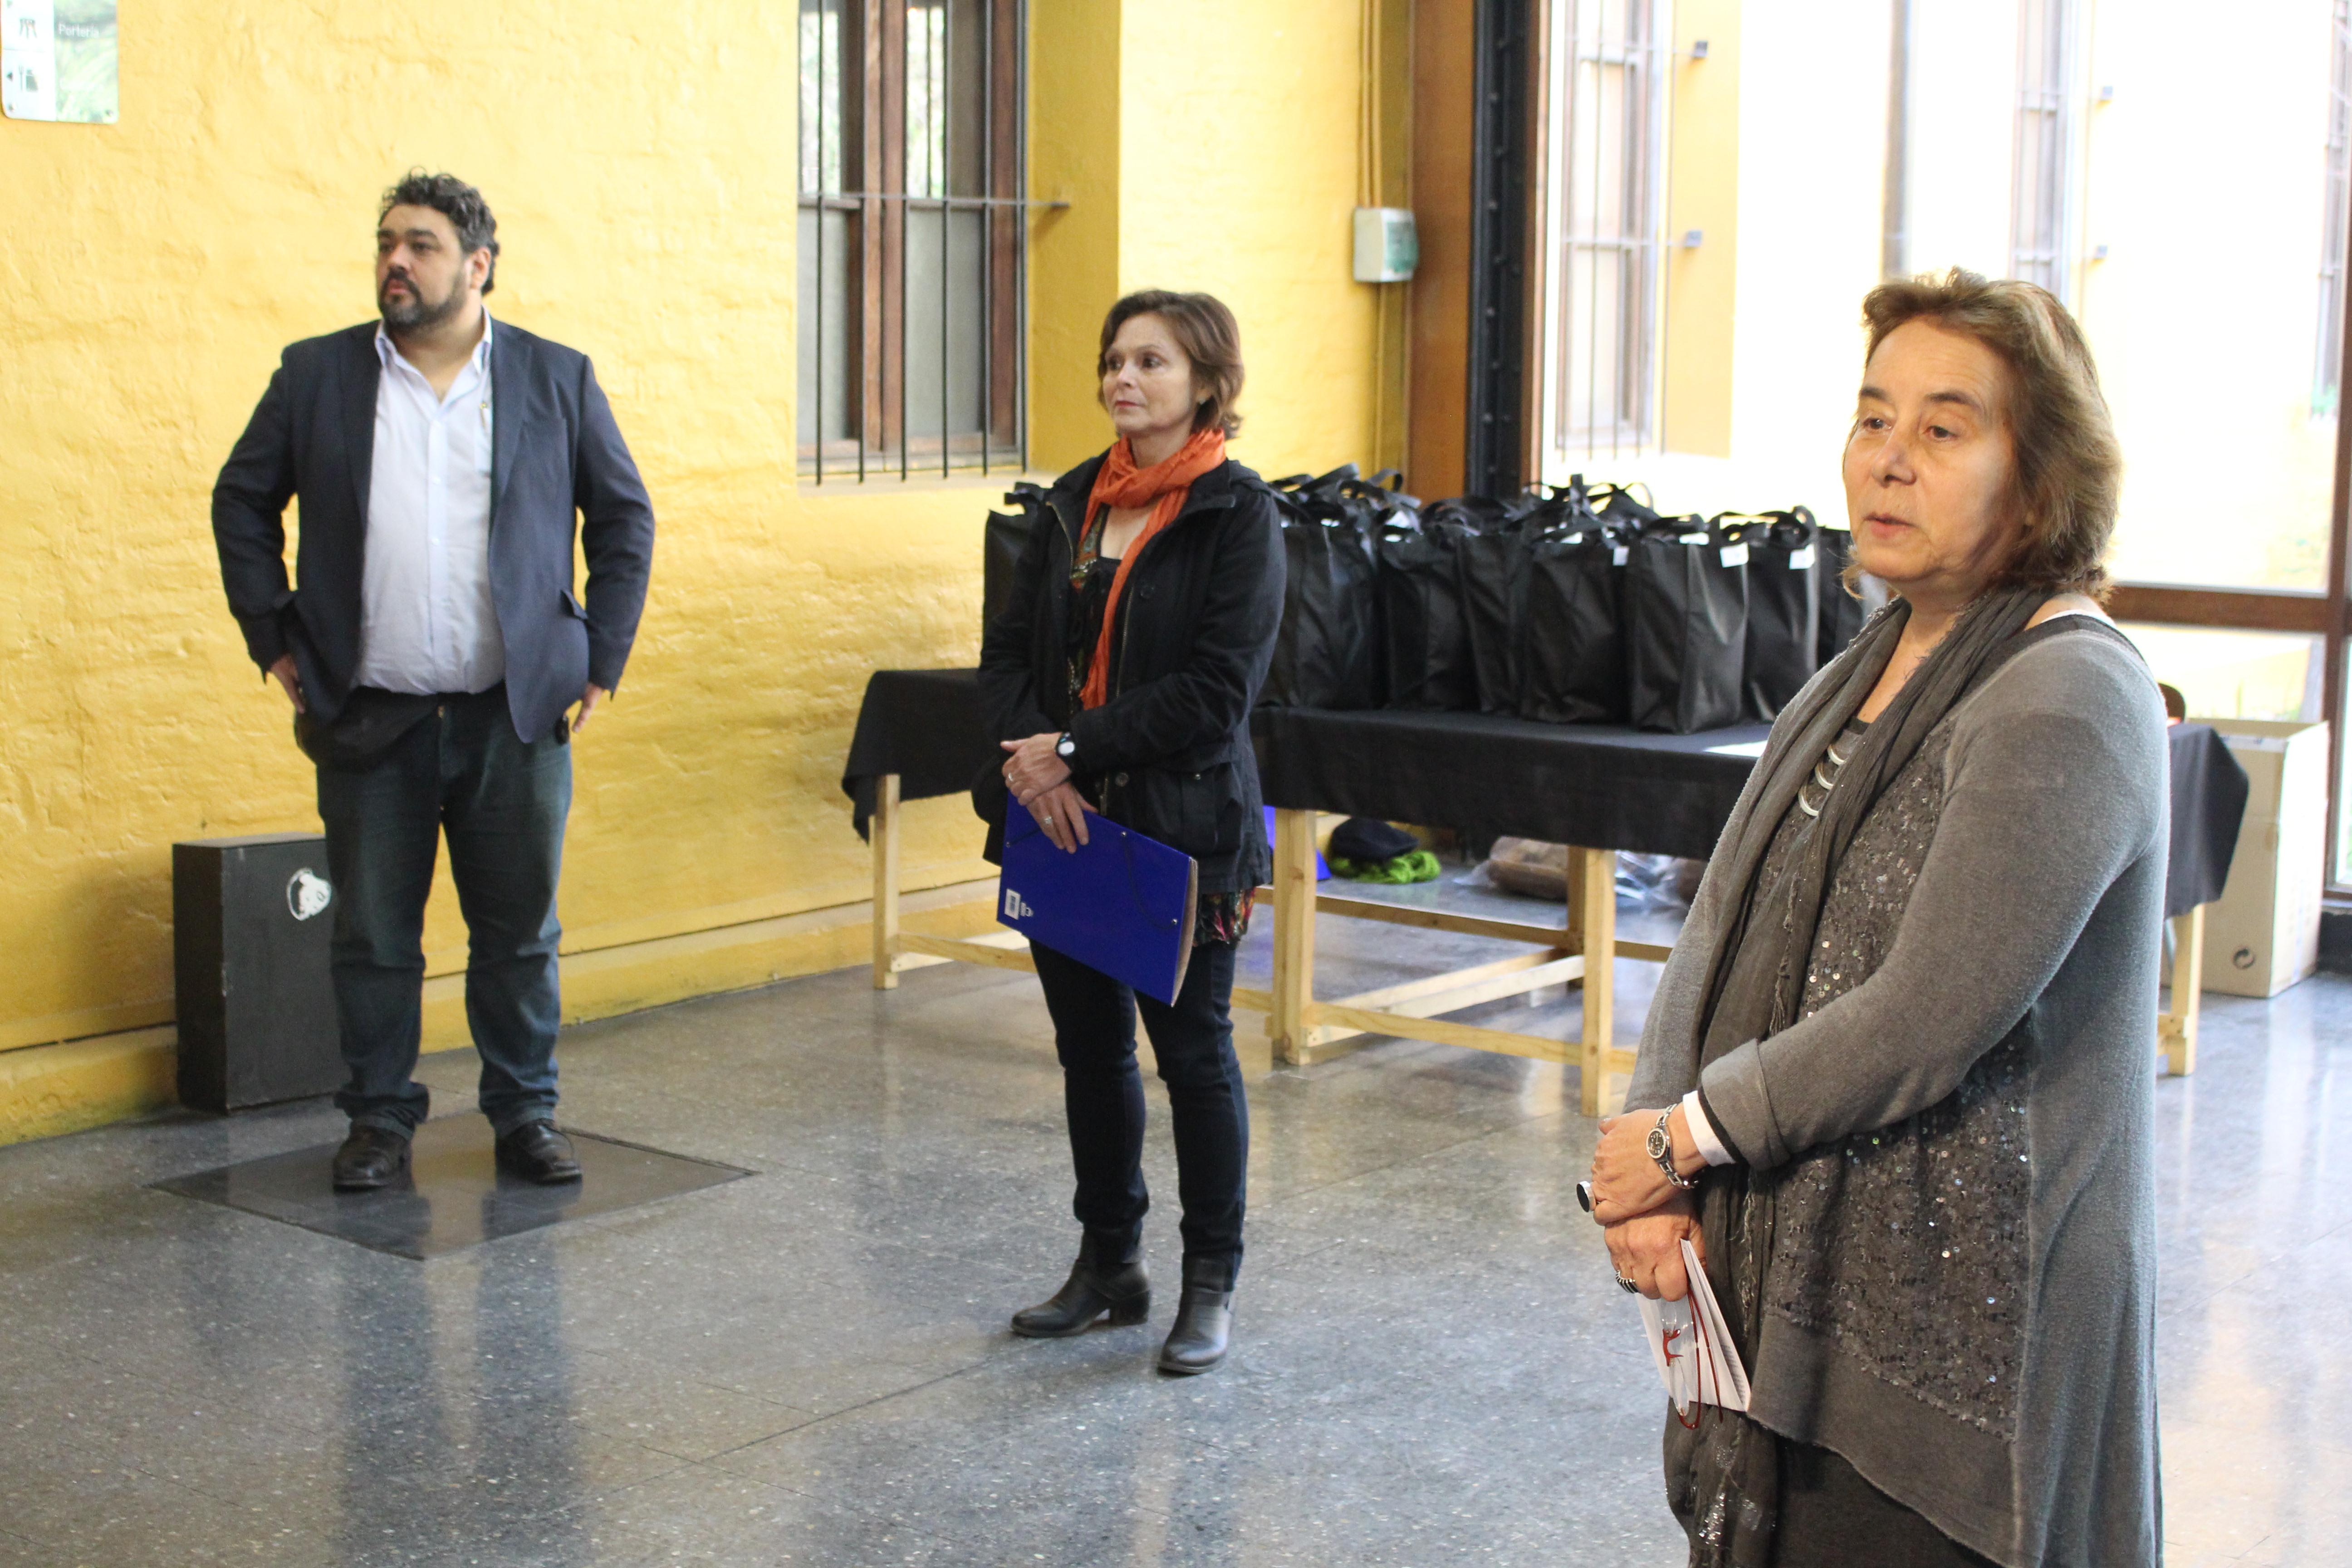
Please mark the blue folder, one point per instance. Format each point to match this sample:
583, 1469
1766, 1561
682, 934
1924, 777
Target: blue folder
1123, 904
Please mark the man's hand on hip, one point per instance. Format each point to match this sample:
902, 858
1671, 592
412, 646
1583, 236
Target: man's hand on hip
291, 680
589, 700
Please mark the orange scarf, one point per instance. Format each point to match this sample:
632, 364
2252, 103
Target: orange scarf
1163, 486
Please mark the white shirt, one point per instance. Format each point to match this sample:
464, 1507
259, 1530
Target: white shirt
426, 621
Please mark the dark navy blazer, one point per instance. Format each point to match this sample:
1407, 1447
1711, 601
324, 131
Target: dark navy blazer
555, 451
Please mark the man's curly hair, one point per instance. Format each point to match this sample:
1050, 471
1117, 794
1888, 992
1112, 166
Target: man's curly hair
459, 201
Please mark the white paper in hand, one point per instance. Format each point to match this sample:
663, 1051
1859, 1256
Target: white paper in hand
1696, 1360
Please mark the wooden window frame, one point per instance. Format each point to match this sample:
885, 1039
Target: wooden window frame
878, 198
2327, 615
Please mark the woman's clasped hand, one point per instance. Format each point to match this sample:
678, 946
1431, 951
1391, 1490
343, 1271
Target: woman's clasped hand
1036, 776
1646, 1217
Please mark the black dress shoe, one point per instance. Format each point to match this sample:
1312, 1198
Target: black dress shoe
1204, 1318
537, 1153
371, 1157
1109, 1277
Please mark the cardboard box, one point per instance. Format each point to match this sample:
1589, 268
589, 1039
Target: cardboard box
2262, 934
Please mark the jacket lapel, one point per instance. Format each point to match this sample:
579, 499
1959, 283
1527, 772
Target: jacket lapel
362, 371
508, 353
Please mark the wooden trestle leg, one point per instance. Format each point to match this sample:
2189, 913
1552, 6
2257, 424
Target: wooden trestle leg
1294, 934
1592, 931
2176, 1028
882, 830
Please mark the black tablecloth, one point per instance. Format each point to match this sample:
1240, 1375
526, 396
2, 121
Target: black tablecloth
1567, 784
2208, 798
924, 726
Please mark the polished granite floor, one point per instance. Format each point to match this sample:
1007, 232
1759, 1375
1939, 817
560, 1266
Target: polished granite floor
811, 1366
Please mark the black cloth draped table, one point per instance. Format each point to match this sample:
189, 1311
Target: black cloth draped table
919, 736
920, 727
2209, 800
1598, 789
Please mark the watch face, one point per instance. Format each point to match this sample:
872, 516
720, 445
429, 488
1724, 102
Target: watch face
1659, 1143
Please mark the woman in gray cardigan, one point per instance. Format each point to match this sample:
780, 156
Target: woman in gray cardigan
1898, 1077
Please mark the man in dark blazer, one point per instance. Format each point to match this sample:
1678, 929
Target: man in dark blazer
432, 643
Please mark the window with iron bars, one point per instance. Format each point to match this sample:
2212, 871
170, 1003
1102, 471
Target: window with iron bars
2040, 183
912, 237
2327, 384
1607, 139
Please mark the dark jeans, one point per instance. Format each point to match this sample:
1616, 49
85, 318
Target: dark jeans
1094, 1033
502, 804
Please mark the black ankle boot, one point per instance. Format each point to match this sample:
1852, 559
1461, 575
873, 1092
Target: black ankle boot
1203, 1320
1109, 1277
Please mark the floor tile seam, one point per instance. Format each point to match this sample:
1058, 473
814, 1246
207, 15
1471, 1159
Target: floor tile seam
695, 1384
125, 1462
1424, 1157
2215, 1292
823, 1499
852, 1409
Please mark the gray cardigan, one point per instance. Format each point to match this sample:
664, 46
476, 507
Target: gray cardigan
2016, 1009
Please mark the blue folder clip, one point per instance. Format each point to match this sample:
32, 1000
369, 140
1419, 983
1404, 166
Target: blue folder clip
1123, 904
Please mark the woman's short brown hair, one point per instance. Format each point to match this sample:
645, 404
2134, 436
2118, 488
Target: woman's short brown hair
2069, 467
1210, 338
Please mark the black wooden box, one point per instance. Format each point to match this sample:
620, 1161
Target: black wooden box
251, 920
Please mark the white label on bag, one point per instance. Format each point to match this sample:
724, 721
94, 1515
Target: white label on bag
1735, 555
1619, 556
1690, 539
1802, 560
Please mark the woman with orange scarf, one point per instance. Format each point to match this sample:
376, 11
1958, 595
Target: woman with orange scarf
1119, 678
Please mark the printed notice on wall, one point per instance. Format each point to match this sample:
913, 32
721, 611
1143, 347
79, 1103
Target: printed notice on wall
58, 60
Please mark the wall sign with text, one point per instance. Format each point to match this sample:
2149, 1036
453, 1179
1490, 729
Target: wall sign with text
58, 60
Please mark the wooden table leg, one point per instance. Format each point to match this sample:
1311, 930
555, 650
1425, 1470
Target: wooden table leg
1294, 934
882, 831
1593, 920
2176, 1030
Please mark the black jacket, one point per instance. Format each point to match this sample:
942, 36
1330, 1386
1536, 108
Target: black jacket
555, 450
1169, 753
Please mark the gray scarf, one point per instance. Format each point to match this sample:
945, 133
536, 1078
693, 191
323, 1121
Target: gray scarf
1723, 1480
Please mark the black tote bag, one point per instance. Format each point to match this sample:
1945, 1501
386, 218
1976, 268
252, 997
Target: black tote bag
1007, 536
1428, 646
1841, 614
1327, 653
1686, 628
1571, 640
1494, 575
1783, 604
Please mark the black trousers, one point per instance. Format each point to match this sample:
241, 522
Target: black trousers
1193, 1041
1831, 1518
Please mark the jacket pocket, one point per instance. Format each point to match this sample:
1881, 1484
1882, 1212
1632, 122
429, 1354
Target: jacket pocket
1212, 811
572, 607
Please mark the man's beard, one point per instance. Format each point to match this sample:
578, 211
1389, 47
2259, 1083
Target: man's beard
417, 314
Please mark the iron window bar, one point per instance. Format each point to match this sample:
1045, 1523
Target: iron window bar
931, 165
1623, 165
849, 201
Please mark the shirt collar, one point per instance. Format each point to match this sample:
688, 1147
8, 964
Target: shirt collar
481, 356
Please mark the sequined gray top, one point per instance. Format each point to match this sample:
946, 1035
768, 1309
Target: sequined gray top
1956, 1129
1904, 1243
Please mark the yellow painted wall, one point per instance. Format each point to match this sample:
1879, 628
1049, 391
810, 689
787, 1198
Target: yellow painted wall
1777, 145
642, 165
1703, 195
1238, 173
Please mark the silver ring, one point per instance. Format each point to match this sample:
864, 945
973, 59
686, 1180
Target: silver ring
1049, 817
1628, 1286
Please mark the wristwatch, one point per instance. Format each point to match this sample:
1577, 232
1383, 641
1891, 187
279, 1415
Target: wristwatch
1067, 749
1661, 1148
